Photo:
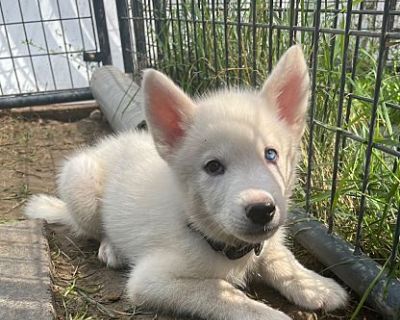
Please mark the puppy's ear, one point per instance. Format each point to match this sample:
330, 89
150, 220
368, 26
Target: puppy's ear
287, 89
169, 111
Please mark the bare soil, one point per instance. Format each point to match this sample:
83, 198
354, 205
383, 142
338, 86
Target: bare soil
30, 152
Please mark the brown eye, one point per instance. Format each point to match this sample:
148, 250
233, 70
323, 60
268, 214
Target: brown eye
214, 168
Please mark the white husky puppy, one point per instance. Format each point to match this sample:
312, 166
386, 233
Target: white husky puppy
196, 207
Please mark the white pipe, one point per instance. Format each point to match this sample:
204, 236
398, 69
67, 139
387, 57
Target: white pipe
119, 97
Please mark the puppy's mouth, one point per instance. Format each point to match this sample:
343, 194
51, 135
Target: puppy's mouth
256, 233
248, 231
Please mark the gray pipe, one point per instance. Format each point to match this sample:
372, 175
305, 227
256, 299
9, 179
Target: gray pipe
356, 271
121, 101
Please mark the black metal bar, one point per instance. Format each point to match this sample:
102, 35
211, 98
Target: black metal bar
173, 36
92, 23
10, 50
347, 134
254, 43
149, 33
270, 34
43, 98
159, 24
28, 45
312, 103
65, 44
215, 44
332, 45
391, 20
353, 73
359, 33
167, 32
47, 20
396, 240
393, 105
291, 22
339, 116
204, 38
46, 45
139, 31
102, 31
125, 34
368, 152
240, 45
188, 33
196, 46
82, 37
279, 31
358, 97
393, 13
226, 42
180, 34
62, 53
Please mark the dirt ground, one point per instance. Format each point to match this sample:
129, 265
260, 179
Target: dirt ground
83, 288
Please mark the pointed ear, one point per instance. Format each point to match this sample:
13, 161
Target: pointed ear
168, 111
287, 89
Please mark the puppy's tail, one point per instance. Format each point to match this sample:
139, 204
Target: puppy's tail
49, 208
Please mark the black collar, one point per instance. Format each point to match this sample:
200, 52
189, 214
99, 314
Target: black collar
232, 253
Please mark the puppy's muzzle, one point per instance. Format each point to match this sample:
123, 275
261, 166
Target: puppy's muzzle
261, 213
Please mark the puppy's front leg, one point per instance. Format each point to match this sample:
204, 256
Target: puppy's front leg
280, 269
163, 282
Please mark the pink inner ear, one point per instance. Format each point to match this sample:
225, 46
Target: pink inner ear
166, 116
289, 98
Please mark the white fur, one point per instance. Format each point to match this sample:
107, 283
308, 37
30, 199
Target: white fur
138, 197
52, 209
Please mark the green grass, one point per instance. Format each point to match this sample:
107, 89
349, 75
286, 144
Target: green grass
194, 54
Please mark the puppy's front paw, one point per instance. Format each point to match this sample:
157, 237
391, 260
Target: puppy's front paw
316, 292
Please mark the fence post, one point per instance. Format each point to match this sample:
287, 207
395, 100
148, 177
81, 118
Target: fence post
125, 35
392, 6
159, 22
139, 31
102, 33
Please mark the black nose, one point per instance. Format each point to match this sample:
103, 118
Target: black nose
261, 213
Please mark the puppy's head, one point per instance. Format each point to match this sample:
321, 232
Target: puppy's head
233, 152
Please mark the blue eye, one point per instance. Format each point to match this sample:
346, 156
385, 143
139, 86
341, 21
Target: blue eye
271, 154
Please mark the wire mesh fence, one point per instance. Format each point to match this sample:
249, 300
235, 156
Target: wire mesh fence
350, 171
49, 46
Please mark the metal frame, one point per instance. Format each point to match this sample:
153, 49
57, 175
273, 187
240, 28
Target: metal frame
125, 34
102, 33
100, 54
43, 98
